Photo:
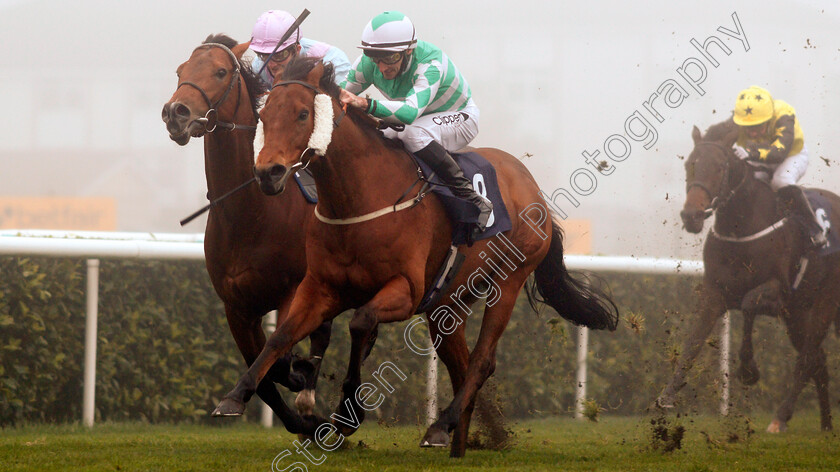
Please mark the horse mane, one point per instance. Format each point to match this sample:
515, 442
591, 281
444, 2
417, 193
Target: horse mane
300, 67
719, 131
256, 87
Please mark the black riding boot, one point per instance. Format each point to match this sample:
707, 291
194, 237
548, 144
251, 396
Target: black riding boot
793, 200
448, 170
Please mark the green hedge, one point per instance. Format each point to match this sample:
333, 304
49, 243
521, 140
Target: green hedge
165, 352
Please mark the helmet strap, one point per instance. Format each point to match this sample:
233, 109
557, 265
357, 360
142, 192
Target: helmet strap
405, 61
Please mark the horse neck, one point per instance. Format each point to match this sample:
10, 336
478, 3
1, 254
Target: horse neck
360, 173
751, 208
229, 155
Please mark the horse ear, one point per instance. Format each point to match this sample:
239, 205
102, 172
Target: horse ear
314, 76
240, 49
695, 134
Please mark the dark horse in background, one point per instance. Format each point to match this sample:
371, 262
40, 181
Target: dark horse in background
383, 266
253, 244
753, 260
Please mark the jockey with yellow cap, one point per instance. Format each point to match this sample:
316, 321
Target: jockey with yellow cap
270, 27
423, 91
770, 134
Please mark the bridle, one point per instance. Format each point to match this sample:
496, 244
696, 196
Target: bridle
210, 119
300, 166
726, 191
336, 121
211, 123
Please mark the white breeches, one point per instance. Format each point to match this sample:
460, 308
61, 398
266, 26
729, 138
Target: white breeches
790, 170
452, 129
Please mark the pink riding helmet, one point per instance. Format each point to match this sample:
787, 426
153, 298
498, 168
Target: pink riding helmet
270, 27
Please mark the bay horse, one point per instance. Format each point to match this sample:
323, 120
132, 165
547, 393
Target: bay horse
253, 244
752, 259
384, 265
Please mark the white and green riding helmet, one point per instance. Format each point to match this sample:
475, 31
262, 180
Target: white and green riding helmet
390, 31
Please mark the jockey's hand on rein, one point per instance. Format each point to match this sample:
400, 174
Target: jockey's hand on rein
740, 152
349, 98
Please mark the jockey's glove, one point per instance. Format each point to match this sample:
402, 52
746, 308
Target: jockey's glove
740, 152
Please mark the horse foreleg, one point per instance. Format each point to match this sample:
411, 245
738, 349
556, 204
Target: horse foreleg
748, 371
764, 299
711, 307
481, 365
249, 337
311, 306
319, 340
392, 303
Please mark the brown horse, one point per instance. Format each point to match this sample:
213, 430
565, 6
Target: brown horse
254, 245
752, 259
384, 265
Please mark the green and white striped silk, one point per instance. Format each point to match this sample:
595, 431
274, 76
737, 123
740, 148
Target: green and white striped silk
430, 84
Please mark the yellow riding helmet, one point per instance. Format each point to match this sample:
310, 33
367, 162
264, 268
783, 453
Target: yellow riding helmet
753, 106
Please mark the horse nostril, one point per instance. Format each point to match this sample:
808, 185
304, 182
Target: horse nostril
182, 111
277, 170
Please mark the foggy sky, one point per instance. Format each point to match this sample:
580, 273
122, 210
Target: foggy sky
83, 83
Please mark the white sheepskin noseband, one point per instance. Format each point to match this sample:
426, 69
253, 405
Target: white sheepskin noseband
322, 132
259, 137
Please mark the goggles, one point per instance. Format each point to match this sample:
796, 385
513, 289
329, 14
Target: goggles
389, 59
279, 56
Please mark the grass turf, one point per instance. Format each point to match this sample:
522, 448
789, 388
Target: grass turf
614, 443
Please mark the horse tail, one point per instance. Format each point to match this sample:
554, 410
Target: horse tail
575, 300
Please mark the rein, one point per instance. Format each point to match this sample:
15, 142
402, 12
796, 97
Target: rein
719, 202
725, 196
210, 120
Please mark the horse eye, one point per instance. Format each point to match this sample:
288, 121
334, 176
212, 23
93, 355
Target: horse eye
303, 115
221, 73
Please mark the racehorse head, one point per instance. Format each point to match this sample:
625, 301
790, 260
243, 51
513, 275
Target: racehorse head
708, 173
210, 89
297, 121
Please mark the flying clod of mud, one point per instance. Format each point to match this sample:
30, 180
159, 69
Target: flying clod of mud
665, 436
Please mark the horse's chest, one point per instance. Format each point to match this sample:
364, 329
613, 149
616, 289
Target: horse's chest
739, 272
363, 267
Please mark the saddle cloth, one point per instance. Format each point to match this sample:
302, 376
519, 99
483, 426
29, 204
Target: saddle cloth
822, 208
464, 214
306, 183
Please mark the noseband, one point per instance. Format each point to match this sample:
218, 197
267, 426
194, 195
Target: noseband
209, 120
336, 121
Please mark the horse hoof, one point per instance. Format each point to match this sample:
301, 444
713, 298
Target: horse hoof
296, 382
229, 407
304, 367
664, 403
305, 402
435, 437
777, 426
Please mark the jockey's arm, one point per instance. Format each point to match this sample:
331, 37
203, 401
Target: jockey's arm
776, 150
405, 111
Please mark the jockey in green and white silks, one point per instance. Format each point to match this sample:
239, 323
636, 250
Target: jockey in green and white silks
424, 91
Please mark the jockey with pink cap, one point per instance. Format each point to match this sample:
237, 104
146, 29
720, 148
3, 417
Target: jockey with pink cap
270, 27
